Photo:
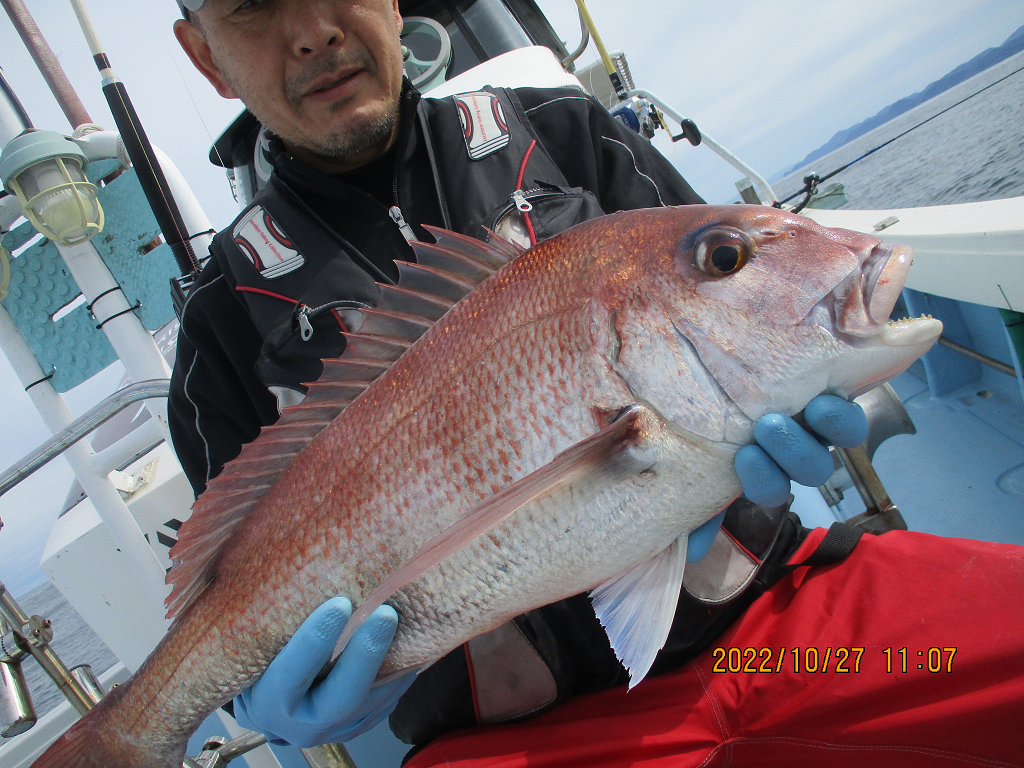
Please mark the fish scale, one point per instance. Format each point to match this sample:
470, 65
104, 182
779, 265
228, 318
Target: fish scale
561, 428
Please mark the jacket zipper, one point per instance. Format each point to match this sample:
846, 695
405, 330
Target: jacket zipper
521, 201
403, 226
395, 212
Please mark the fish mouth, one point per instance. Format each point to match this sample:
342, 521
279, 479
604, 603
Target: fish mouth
866, 299
862, 304
883, 274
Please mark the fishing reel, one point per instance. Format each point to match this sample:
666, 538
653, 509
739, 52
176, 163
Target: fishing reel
639, 115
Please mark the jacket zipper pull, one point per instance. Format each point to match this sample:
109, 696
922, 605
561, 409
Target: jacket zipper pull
403, 225
522, 204
305, 327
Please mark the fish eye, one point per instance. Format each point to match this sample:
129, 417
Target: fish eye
723, 251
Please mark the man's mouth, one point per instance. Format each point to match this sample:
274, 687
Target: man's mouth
330, 86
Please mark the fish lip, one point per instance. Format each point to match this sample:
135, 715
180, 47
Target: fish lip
884, 272
863, 315
865, 300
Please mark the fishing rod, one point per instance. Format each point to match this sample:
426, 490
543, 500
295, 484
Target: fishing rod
140, 151
606, 59
811, 181
47, 63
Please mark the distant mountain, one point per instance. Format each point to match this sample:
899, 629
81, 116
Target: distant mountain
987, 58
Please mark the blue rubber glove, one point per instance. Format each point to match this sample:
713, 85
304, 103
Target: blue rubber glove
288, 707
786, 451
700, 540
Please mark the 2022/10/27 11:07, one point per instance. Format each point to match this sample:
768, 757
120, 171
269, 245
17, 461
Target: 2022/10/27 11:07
838, 660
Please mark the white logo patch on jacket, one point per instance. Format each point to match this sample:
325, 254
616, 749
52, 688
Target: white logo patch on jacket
483, 123
266, 245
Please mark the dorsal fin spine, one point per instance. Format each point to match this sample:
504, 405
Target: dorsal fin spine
467, 245
453, 262
511, 250
436, 281
395, 298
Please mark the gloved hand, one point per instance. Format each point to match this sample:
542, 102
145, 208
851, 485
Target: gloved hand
288, 707
700, 540
786, 451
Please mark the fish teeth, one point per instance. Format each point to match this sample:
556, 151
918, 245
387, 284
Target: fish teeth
909, 332
904, 320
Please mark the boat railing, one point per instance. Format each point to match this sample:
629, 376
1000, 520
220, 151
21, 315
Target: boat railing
80, 428
22, 635
765, 192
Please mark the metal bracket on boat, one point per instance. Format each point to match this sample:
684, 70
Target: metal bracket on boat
24, 635
886, 418
328, 756
881, 514
218, 752
17, 714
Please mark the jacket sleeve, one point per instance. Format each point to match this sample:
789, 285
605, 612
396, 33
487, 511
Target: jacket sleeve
597, 152
217, 404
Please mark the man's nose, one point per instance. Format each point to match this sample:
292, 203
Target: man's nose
313, 27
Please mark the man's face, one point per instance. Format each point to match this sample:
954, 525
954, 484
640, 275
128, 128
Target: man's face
324, 75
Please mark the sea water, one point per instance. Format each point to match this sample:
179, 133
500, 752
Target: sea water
973, 152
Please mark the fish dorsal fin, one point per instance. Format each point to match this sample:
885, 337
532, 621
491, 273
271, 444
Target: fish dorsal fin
425, 292
511, 250
487, 254
636, 608
433, 281
394, 324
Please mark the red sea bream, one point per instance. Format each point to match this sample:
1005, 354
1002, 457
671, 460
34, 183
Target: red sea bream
562, 428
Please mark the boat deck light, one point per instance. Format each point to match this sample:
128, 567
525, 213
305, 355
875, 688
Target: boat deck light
46, 170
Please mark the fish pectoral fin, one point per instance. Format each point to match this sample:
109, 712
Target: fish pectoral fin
620, 450
637, 607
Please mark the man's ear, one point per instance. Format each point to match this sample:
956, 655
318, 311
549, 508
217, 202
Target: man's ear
195, 46
398, 16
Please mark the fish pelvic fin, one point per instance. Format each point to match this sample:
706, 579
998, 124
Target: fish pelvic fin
96, 741
618, 451
636, 608
375, 338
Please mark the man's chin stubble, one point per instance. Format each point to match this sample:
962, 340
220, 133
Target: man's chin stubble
354, 141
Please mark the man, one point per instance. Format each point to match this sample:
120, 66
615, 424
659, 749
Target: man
361, 163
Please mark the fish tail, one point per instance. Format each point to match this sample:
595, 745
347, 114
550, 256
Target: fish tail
96, 741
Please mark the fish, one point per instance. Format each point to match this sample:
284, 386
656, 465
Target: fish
505, 429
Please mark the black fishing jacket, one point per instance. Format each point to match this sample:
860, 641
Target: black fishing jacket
271, 304
240, 331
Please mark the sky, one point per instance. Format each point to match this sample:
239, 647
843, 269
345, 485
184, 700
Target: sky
769, 80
